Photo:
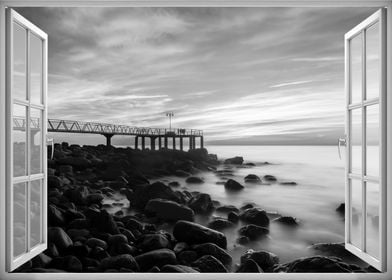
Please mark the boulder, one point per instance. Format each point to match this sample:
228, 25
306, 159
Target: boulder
54, 182
341, 208
220, 224
215, 251
233, 185
234, 160
78, 163
286, 220
227, 209
104, 222
67, 263
253, 231
194, 180
94, 242
120, 261
332, 249
269, 178
193, 233
233, 217
55, 216
149, 242
60, 238
158, 258
143, 194
178, 269
288, 183
201, 203
117, 240
209, 263
174, 184
252, 178
249, 266
95, 198
266, 260
169, 210
255, 216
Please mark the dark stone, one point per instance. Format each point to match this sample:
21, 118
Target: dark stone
54, 182
149, 242
201, 203
104, 222
52, 250
130, 236
178, 269
143, 194
287, 220
233, 185
133, 224
58, 236
220, 224
55, 216
193, 233
252, 178
94, 242
117, 239
209, 263
42, 260
215, 251
182, 173
253, 231
243, 240
169, 210
249, 266
99, 253
79, 249
288, 183
187, 256
269, 178
67, 263
180, 246
194, 180
255, 216
233, 217
158, 258
266, 260
341, 209
174, 184
79, 224
77, 233
120, 261
227, 209
234, 160
247, 206
332, 249
95, 198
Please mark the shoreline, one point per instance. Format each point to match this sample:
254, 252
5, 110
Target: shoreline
84, 237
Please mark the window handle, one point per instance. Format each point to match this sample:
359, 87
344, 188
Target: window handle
50, 142
341, 142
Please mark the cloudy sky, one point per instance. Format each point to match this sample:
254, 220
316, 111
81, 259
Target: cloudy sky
243, 75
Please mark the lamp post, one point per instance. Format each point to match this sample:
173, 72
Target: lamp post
170, 115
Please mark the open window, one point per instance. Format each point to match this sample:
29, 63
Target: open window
366, 140
26, 137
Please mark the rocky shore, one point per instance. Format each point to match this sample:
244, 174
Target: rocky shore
85, 237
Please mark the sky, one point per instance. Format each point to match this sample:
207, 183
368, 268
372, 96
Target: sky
242, 75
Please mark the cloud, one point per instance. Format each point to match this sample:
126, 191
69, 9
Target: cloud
290, 84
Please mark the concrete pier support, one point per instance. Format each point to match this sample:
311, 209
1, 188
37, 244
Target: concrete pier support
165, 140
201, 142
136, 142
181, 144
152, 143
174, 143
190, 143
108, 139
159, 142
143, 143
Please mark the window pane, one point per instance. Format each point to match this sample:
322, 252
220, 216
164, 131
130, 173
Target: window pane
356, 68
35, 213
35, 69
19, 217
372, 219
372, 61
372, 140
19, 140
356, 141
36, 141
356, 213
19, 63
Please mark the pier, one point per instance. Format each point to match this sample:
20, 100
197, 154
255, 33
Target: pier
158, 138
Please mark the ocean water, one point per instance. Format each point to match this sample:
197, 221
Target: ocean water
319, 174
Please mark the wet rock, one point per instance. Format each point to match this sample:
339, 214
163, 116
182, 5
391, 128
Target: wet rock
55, 216
149, 242
120, 261
144, 194
73, 214
255, 216
318, 264
187, 256
266, 260
215, 251
79, 224
252, 178
243, 240
158, 258
341, 208
227, 209
174, 184
130, 236
234, 160
233, 217
98, 253
133, 224
269, 178
58, 236
180, 246
194, 180
104, 222
117, 239
220, 224
54, 182
66, 169
77, 195
193, 233
67, 263
250, 164
95, 198
209, 263
94, 242
178, 269
52, 250
247, 206
79, 249
169, 210
42, 260
288, 183
287, 220
201, 203
77, 233
182, 173
332, 249
233, 185
249, 266
253, 231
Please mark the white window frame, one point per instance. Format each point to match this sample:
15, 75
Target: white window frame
190, 3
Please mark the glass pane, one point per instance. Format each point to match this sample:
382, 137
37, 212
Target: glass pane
372, 61
35, 213
372, 140
35, 69
19, 219
19, 140
356, 68
356, 141
19, 63
36, 141
356, 212
372, 219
